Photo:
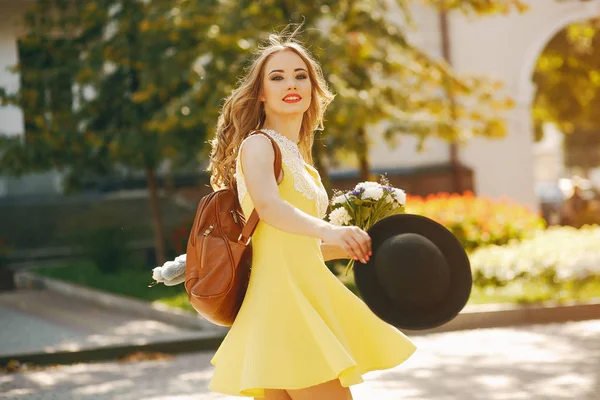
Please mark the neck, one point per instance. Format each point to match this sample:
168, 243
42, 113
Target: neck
288, 127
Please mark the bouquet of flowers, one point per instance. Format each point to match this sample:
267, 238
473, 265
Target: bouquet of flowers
366, 204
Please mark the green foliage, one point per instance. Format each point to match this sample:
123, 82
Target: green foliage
132, 282
480, 7
107, 248
90, 98
376, 73
567, 77
536, 291
13, 158
95, 75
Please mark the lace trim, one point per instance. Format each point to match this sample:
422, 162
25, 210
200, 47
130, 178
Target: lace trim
303, 181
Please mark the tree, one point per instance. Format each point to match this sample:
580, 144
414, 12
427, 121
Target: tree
380, 76
480, 7
376, 73
117, 63
567, 77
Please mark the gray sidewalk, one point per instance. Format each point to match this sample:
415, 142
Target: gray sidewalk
544, 362
40, 321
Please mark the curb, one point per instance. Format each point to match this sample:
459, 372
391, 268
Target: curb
203, 342
500, 315
157, 311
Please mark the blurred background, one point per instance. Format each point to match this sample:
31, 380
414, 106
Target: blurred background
484, 112
107, 108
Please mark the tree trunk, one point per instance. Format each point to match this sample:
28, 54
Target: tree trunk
157, 225
169, 181
363, 155
457, 171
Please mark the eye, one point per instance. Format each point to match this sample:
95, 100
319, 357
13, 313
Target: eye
278, 78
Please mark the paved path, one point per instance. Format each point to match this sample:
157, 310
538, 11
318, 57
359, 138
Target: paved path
39, 320
560, 361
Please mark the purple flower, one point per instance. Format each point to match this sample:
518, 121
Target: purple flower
358, 192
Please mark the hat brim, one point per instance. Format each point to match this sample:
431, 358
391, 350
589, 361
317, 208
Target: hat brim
400, 315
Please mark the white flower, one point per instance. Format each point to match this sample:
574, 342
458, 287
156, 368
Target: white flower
157, 274
367, 185
175, 281
340, 217
171, 273
400, 196
341, 199
373, 192
172, 269
569, 253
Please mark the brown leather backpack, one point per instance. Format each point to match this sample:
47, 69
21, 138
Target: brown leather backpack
219, 255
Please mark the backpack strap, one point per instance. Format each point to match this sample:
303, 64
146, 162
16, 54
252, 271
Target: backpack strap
252, 222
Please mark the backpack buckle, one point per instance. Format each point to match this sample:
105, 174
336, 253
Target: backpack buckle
244, 242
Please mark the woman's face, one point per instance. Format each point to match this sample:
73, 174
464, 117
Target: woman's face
286, 84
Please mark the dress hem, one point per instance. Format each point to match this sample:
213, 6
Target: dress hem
254, 392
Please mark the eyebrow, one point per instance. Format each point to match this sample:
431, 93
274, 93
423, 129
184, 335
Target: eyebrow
280, 70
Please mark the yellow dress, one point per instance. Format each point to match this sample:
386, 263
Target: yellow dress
299, 325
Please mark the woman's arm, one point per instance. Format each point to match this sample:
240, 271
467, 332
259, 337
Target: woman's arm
257, 158
333, 252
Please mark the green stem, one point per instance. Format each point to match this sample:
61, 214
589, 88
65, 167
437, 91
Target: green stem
349, 266
375, 216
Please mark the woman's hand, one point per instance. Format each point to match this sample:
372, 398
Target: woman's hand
355, 241
333, 252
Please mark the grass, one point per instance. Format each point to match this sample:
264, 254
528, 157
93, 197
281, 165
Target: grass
519, 292
133, 282
536, 292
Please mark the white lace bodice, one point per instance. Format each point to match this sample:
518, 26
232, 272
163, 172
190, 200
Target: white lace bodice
304, 182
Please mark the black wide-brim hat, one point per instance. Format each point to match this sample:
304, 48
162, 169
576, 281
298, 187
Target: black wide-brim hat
418, 276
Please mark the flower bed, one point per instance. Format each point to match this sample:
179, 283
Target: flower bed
478, 221
557, 256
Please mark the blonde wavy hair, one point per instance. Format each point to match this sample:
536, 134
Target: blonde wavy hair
242, 111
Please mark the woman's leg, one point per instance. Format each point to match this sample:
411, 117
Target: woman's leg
331, 390
276, 394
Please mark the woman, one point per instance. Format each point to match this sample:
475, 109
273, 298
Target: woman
300, 333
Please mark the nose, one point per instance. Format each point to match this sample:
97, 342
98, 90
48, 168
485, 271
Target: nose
292, 84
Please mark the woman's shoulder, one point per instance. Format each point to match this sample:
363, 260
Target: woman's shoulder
256, 141
256, 146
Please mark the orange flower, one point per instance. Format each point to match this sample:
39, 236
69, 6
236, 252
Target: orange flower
476, 220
